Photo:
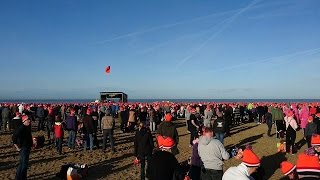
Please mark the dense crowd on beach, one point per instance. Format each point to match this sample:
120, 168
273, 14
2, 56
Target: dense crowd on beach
156, 136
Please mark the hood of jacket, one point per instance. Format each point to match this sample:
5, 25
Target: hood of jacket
205, 140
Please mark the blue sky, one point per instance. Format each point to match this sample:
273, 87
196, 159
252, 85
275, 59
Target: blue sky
160, 49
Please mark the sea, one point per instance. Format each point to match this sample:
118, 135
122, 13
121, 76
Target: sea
158, 100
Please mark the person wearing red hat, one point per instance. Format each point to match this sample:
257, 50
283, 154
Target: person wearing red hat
88, 127
72, 127
22, 141
143, 147
288, 169
193, 127
16, 121
167, 128
50, 123
250, 164
163, 163
311, 129
291, 127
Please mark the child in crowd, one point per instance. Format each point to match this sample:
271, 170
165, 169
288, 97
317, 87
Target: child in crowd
58, 133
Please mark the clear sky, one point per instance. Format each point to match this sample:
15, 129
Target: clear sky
160, 49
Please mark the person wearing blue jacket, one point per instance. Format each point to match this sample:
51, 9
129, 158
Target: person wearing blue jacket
72, 126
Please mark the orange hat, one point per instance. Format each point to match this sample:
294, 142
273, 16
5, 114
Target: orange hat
310, 118
250, 159
315, 140
165, 142
287, 167
306, 163
168, 117
24, 118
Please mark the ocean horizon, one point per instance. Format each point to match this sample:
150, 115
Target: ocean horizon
156, 100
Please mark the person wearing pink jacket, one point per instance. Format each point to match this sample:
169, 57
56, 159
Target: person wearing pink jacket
303, 116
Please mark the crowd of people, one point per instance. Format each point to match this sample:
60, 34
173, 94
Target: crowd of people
207, 123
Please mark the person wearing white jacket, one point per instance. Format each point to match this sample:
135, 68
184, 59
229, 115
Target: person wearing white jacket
291, 127
249, 165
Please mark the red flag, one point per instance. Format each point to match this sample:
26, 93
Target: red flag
108, 69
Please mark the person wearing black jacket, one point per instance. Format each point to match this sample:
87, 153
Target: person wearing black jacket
89, 129
22, 141
168, 129
143, 147
163, 163
219, 127
124, 115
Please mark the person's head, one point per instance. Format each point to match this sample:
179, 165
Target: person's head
208, 132
141, 125
26, 120
88, 111
310, 119
168, 117
288, 169
18, 114
251, 160
72, 112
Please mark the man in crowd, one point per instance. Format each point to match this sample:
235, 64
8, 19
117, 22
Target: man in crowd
249, 165
22, 141
212, 154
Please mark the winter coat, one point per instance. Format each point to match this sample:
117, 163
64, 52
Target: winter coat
311, 129
168, 129
5, 113
107, 122
304, 115
71, 123
212, 153
132, 116
219, 125
277, 114
40, 112
237, 173
162, 166
292, 122
88, 124
58, 130
143, 143
16, 122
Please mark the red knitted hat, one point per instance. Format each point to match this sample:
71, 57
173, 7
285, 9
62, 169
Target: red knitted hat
25, 117
306, 163
315, 140
168, 117
165, 142
287, 167
250, 159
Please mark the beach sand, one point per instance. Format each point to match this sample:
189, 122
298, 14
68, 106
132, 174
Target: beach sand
45, 162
